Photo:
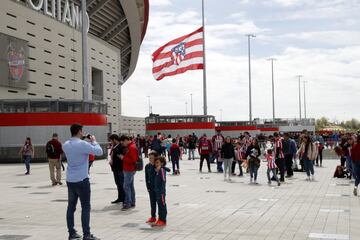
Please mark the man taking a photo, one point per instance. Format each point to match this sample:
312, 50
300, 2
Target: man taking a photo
77, 153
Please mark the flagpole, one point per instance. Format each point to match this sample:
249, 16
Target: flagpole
204, 61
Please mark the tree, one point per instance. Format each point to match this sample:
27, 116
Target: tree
352, 124
321, 123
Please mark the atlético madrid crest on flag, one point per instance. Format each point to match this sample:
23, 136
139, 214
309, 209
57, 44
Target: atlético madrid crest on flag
179, 55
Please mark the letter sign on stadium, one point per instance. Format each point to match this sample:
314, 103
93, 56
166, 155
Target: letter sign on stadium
67, 13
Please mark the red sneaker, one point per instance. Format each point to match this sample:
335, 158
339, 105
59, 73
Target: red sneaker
151, 220
160, 223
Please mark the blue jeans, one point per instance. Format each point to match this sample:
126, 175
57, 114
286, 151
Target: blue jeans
175, 164
129, 188
309, 166
349, 166
273, 170
191, 152
75, 191
356, 167
27, 160
253, 170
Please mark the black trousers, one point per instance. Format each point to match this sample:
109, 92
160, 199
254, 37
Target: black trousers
161, 203
319, 156
289, 163
234, 165
342, 161
119, 181
152, 196
207, 157
280, 162
175, 165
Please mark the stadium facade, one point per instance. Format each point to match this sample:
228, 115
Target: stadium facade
41, 77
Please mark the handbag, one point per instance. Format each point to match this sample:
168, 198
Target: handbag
139, 164
257, 162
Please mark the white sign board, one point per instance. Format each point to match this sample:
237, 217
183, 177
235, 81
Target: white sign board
67, 13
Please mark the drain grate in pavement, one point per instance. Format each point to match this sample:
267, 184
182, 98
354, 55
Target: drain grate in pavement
14, 237
22, 187
343, 184
340, 184
60, 200
40, 193
144, 227
204, 177
216, 191
131, 225
328, 210
329, 236
248, 211
189, 205
177, 185
268, 199
336, 195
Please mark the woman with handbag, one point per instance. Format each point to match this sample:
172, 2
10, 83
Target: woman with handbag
27, 153
308, 153
253, 152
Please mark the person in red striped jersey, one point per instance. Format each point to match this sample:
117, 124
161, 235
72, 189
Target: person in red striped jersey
246, 142
279, 155
218, 141
239, 156
271, 167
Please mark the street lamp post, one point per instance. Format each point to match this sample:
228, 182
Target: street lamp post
186, 110
304, 82
84, 45
191, 103
250, 104
272, 84
299, 79
149, 104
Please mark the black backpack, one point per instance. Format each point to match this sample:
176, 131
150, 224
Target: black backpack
50, 150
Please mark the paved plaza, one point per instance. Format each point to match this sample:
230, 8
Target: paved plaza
200, 206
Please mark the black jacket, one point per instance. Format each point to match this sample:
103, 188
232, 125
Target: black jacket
286, 147
117, 165
192, 142
253, 152
227, 151
150, 177
160, 182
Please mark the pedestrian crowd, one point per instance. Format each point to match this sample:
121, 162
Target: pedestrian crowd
281, 153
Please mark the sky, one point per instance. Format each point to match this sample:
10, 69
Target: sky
319, 39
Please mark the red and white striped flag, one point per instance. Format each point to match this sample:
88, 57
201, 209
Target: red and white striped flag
179, 55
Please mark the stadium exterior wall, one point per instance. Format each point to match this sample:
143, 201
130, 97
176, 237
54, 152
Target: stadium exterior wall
54, 60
